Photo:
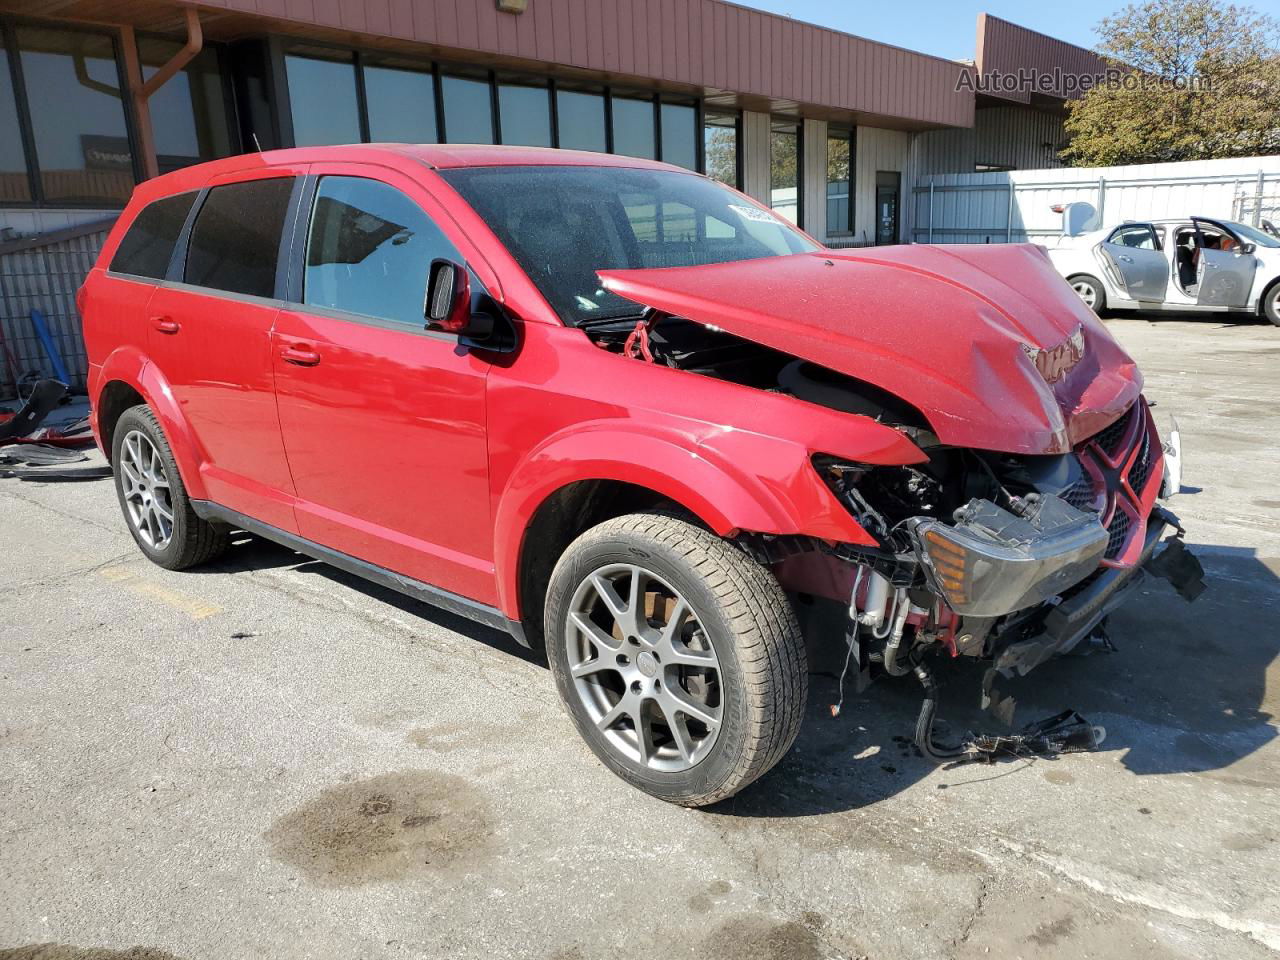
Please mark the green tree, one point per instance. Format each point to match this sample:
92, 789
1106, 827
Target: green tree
1193, 80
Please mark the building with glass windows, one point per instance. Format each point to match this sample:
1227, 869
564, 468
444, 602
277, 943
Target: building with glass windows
827, 128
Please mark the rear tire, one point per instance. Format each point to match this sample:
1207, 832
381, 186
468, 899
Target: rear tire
155, 504
1090, 290
733, 655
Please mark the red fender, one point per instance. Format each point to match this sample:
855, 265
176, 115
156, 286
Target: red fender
129, 365
731, 480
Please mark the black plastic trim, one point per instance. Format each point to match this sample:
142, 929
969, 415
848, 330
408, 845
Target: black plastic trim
435, 596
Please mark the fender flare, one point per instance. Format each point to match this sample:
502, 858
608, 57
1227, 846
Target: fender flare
131, 366
676, 466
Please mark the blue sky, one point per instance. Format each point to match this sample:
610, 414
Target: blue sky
947, 28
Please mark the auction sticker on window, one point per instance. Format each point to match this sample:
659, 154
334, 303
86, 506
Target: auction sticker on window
753, 213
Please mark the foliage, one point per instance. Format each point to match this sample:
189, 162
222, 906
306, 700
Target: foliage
1193, 80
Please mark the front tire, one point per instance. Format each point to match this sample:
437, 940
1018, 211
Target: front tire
677, 655
1090, 290
155, 504
1271, 304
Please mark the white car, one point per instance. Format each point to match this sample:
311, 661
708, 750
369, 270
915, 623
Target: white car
1200, 263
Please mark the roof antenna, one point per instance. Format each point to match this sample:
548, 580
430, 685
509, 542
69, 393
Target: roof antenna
256, 145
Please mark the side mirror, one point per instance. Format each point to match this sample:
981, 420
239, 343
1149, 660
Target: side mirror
449, 309
448, 305
1247, 248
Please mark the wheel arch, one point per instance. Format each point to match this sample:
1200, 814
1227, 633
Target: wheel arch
1260, 308
128, 378
572, 482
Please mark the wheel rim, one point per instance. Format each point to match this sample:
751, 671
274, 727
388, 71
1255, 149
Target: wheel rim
147, 498
1086, 291
643, 668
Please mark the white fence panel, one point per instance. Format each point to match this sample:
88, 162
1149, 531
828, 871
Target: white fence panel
1015, 206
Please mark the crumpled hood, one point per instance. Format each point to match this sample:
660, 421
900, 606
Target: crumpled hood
988, 342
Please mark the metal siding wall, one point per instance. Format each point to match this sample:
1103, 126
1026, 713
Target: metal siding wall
975, 207
881, 150
1007, 136
815, 178
755, 155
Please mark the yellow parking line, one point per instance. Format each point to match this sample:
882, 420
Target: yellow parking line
193, 607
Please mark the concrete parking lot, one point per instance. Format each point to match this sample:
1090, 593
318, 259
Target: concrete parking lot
268, 758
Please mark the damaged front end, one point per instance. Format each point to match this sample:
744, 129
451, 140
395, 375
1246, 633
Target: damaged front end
1010, 559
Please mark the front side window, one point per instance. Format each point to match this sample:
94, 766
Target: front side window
235, 241
562, 224
148, 245
369, 250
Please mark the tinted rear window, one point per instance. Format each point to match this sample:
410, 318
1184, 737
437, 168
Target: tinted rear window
148, 244
235, 240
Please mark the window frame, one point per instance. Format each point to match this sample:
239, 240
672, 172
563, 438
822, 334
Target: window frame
798, 124
1149, 227
284, 250
197, 198
291, 278
851, 134
297, 289
9, 26
281, 46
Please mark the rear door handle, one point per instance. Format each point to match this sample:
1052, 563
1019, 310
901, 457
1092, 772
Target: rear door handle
166, 324
300, 354
1126, 259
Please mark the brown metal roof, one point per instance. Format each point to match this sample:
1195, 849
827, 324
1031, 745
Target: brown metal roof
710, 47
1006, 48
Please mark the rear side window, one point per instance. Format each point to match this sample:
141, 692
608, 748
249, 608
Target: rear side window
369, 250
235, 240
148, 244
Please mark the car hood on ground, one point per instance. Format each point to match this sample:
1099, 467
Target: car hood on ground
988, 342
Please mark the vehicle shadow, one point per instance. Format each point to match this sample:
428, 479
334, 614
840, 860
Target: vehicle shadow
1185, 692
249, 552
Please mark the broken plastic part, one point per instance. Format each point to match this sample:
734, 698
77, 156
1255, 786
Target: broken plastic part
45, 396
1180, 567
1065, 732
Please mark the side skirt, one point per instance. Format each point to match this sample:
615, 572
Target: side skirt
452, 602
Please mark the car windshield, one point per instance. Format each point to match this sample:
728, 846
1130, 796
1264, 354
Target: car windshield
1251, 234
563, 223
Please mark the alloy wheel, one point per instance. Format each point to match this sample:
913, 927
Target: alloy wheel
1087, 292
147, 497
643, 668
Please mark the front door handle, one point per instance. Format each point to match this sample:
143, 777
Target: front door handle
300, 354
166, 324
1126, 259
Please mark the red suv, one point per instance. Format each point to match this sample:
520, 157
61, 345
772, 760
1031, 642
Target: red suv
630, 415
